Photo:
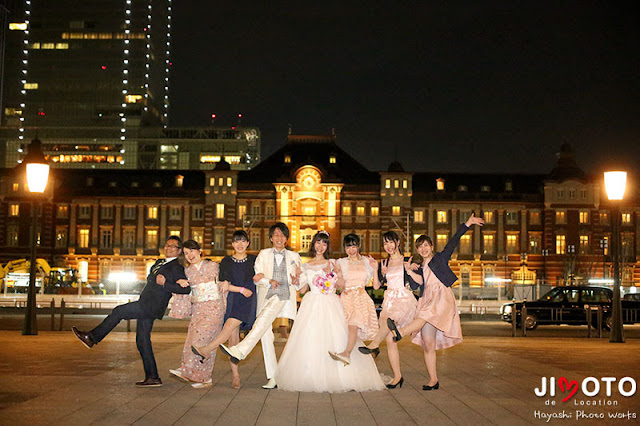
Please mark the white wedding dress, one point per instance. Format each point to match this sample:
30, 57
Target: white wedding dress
320, 327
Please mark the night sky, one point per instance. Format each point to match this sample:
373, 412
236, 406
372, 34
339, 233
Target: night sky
479, 86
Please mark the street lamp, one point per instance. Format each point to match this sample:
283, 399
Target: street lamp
37, 171
615, 184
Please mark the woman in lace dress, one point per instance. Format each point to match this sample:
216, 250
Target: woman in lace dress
236, 277
320, 327
354, 272
399, 302
207, 312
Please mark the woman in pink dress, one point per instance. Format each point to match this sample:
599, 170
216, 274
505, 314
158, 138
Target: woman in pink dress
354, 272
399, 302
437, 322
207, 314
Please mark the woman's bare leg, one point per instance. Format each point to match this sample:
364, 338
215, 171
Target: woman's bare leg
429, 339
382, 333
351, 341
415, 325
229, 326
394, 359
234, 339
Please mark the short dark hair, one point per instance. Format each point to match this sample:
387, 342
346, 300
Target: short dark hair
191, 245
320, 236
240, 235
351, 240
177, 239
282, 227
391, 236
423, 239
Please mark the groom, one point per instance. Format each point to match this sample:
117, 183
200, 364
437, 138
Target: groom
274, 269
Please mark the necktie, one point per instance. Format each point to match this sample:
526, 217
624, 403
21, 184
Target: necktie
157, 265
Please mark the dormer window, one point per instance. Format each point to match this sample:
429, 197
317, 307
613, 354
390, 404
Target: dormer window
287, 159
332, 159
135, 184
179, 181
112, 185
229, 182
508, 186
387, 183
440, 184
485, 188
462, 188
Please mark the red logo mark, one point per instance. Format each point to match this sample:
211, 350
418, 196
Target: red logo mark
566, 385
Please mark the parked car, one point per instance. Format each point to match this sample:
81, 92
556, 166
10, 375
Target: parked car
568, 305
631, 296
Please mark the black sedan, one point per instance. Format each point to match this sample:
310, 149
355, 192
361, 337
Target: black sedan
568, 305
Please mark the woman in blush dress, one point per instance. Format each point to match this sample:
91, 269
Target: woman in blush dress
319, 327
354, 272
207, 312
399, 302
437, 322
236, 277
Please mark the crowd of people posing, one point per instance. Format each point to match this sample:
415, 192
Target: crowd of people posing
325, 350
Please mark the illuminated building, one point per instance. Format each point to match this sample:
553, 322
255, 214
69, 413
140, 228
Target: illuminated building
544, 229
93, 80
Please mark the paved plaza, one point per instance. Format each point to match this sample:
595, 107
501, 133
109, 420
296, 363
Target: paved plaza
53, 379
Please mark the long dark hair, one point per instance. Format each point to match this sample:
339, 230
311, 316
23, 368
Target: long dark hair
320, 236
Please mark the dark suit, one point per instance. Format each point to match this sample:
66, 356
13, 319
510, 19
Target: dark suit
150, 306
439, 263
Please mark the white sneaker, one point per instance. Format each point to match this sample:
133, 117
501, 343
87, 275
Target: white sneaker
200, 385
271, 384
178, 373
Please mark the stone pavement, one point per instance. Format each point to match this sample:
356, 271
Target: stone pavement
53, 379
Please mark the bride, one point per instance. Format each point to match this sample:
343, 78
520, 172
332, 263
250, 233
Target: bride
320, 327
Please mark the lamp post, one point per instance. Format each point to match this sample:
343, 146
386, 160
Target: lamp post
615, 184
37, 171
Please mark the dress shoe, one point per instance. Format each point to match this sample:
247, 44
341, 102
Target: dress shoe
178, 373
235, 356
149, 383
271, 384
365, 350
394, 329
399, 384
84, 337
427, 387
201, 385
337, 357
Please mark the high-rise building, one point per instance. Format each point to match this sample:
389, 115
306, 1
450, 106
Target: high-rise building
92, 80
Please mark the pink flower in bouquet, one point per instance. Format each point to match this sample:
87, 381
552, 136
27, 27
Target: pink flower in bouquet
325, 282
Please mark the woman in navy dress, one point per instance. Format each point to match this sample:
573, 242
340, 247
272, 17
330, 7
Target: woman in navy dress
236, 277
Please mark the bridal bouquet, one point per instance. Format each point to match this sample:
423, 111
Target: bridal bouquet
326, 282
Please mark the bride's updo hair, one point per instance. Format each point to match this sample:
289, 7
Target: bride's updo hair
320, 236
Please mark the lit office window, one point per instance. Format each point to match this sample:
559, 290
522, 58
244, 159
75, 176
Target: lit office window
512, 243
418, 216
83, 238
14, 209
584, 217
152, 212
561, 244
441, 216
151, 240
488, 243
561, 217
219, 211
375, 211
395, 210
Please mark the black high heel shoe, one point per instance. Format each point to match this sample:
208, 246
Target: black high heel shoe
198, 355
427, 387
399, 384
365, 350
394, 329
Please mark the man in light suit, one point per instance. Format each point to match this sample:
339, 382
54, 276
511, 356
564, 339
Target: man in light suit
275, 268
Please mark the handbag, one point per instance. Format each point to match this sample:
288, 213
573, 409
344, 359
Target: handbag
205, 292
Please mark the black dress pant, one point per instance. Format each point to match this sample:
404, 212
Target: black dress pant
132, 310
